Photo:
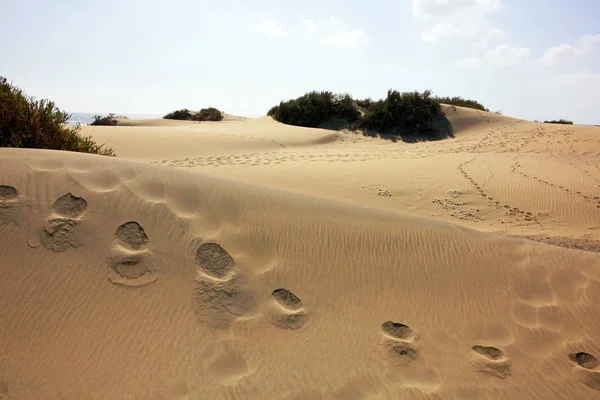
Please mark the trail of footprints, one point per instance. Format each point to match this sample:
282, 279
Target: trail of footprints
456, 208
257, 159
401, 342
516, 166
221, 294
589, 174
510, 211
516, 169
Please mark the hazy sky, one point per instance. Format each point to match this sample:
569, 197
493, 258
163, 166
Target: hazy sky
533, 59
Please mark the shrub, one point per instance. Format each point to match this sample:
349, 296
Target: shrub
30, 123
410, 113
344, 107
183, 114
560, 121
365, 104
461, 102
208, 114
315, 108
109, 120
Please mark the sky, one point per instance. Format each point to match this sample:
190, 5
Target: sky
531, 59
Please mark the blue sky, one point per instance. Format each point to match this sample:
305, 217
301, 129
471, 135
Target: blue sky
533, 59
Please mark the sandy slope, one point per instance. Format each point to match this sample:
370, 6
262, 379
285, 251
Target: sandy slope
499, 174
147, 282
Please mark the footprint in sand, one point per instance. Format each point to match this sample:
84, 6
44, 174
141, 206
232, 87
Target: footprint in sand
287, 299
398, 331
399, 339
585, 360
61, 230
132, 235
8, 203
285, 310
214, 260
590, 375
130, 262
491, 361
69, 206
220, 292
7, 193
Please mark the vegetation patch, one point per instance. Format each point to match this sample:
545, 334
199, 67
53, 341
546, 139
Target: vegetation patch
314, 109
560, 121
209, 114
109, 120
205, 114
461, 102
29, 123
183, 114
411, 116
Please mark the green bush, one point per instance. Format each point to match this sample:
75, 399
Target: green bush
183, 114
344, 107
365, 104
29, 123
408, 115
110, 120
459, 101
208, 114
315, 108
560, 121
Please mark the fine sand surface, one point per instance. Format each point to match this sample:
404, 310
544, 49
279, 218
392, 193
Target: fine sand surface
246, 259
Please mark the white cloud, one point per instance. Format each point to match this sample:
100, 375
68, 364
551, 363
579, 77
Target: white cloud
332, 33
269, 27
309, 27
589, 41
558, 54
469, 62
439, 30
329, 25
502, 55
566, 55
445, 8
489, 36
463, 18
348, 40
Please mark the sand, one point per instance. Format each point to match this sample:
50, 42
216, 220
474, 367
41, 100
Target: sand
246, 259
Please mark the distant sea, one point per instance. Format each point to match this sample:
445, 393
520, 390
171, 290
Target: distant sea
87, 118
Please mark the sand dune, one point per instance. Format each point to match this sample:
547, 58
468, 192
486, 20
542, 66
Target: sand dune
157, 141
499, 174
293, 263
